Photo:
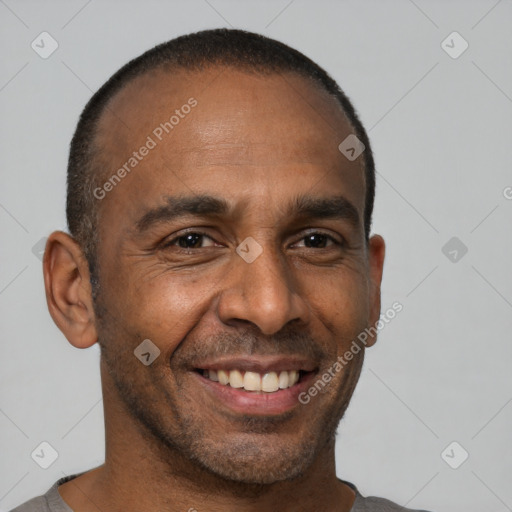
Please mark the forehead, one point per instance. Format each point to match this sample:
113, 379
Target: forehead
246, 135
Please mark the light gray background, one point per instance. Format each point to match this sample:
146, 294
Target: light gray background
441, 131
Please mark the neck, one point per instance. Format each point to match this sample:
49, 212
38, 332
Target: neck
140, 474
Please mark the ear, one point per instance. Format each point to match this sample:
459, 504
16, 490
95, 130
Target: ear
68, 290
376, 253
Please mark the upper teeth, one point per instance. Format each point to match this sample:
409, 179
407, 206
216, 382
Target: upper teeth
253, 381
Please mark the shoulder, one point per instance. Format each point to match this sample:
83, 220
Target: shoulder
38, 504
375, 504
51, 501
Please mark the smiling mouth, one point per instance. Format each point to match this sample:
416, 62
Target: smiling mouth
255, 382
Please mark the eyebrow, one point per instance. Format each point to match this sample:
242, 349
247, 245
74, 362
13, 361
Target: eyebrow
176, 207
305, 206
337, 207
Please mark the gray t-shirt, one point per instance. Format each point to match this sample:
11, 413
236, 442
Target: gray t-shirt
52, 501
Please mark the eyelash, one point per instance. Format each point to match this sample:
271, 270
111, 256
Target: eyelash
173, 241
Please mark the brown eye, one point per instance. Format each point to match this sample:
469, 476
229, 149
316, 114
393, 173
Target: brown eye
316, 241
191, 240
319, 241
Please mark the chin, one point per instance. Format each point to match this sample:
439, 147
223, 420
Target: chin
256, 463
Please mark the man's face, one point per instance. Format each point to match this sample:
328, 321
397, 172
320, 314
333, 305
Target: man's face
290, 299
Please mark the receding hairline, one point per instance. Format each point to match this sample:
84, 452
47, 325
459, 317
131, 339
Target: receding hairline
177, 73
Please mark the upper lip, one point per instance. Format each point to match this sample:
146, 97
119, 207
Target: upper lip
259, 364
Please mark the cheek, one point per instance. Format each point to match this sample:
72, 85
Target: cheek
161, 306
342, 305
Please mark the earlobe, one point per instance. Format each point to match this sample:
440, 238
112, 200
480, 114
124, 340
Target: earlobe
68, 290
376, 254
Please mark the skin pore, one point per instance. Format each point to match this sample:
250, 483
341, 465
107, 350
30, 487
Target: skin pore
262, 154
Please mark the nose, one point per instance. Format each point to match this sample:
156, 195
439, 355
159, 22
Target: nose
262, 292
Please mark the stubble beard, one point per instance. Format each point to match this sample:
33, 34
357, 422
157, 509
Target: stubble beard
254, 460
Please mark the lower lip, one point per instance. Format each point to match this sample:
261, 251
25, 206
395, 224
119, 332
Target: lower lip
257, 403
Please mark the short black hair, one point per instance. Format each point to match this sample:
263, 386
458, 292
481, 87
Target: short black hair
219, 47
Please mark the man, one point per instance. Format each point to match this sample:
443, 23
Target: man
220, 192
